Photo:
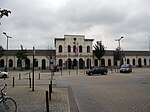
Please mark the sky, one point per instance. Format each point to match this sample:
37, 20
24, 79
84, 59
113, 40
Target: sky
37, 22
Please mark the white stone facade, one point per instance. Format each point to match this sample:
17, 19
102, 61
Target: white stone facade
65, 56
81, 50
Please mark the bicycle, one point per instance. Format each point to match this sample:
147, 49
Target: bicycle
9, 104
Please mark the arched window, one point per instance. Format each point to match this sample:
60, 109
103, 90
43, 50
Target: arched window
88, 49
10, 63
133, 62
109, 62
74, 48
80, 49
69, 48
1, 63
60, 48
145, 63
128, 61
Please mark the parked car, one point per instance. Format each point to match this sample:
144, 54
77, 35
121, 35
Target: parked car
126, 68
97, 70
4, 74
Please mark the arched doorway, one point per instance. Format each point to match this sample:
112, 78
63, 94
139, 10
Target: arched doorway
69, 63
43, 64
60, 62
88, 62
128, 61
133, 62
103, 62
109, 62
74, 63
96, 62
1, 63
81, 63
27, 64
139, 62
10, 63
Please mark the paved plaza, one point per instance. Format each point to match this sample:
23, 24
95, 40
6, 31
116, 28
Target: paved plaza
74, 92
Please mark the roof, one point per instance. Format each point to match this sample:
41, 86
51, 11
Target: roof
30, 52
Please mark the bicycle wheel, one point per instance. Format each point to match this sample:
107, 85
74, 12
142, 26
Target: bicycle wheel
10, 105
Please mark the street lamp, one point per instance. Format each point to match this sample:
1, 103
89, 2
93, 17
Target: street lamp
33, 69
119, 48
7, 48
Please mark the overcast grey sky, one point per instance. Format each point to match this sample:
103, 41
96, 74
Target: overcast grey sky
38, 22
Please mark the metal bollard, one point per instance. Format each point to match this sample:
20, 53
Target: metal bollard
19, 76
47, 102
51, 85
39, 76
30, 82
69, 72
13, 81
50, 92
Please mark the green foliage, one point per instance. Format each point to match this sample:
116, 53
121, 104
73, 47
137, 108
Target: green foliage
21, 54
1, 51
99, 50
118, 55
4, 12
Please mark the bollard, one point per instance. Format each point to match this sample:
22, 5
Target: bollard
69, 72
39, 76
47, 102
19, 76
13, 81
50, 92
30, 82
51, 85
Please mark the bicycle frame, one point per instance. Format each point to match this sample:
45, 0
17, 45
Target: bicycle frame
2, 94
4, 99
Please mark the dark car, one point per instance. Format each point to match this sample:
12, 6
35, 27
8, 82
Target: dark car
126, 68
97, 70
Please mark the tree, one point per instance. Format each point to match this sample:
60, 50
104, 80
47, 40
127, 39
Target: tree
99, 50
118, 55
4, 12
21, 55
1, 51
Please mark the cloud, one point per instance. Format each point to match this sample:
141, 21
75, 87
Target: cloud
38, 22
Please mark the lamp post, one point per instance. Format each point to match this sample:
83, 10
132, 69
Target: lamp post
7, 48
119, 48
149, 42
33, 70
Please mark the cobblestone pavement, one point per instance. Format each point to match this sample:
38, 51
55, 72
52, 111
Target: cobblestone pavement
28, 101
74, 92
114, 92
